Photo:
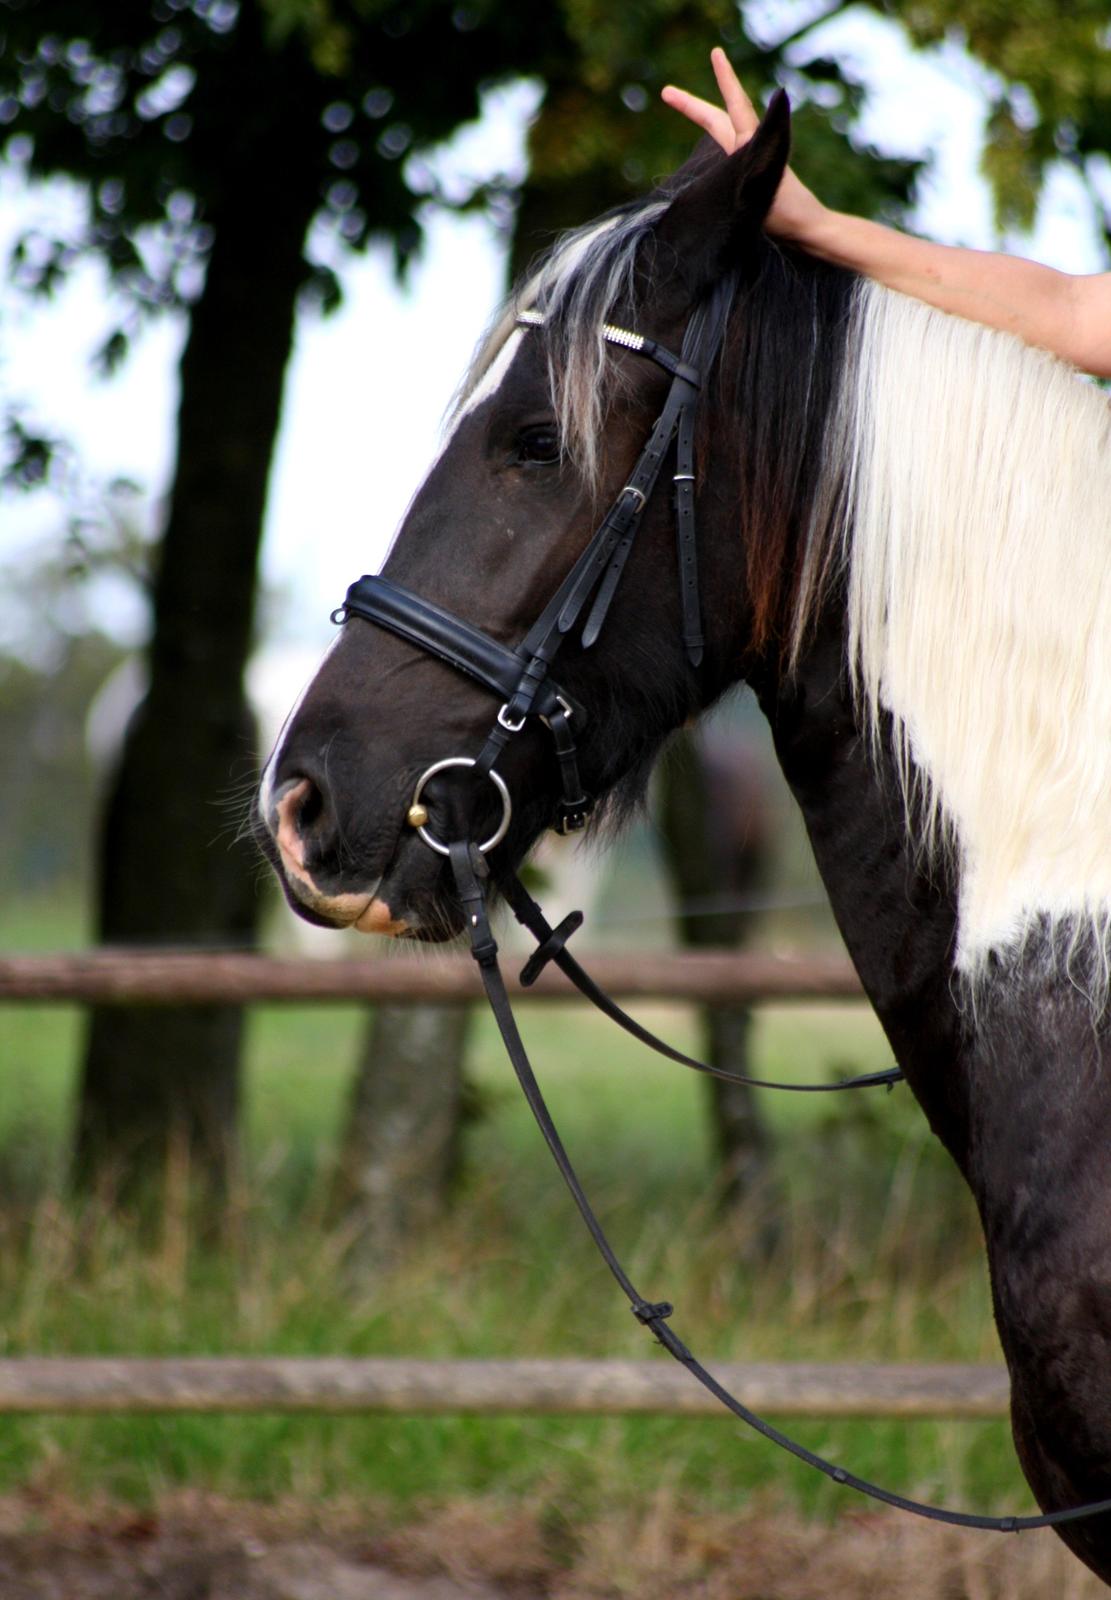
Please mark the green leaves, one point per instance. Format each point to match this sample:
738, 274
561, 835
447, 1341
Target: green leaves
1052, 96
600, 135
178, 115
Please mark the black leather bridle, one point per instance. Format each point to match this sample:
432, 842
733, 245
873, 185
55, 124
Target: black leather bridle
521, 679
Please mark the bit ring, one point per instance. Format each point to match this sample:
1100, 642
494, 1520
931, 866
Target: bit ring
499, 784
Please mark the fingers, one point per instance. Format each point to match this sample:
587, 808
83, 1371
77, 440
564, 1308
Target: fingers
742, 113
795, 213
712, 119
733, 126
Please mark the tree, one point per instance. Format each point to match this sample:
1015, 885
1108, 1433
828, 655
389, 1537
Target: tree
599, 137
717, 839
399, 1154
210, 137
1051, 96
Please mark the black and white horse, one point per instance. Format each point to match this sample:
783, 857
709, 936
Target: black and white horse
905, 547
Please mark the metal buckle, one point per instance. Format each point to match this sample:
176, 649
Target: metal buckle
567, 710
499, 784
507, 723
574, 816
631, 488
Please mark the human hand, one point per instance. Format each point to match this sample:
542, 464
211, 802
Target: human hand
796, 213
732, 126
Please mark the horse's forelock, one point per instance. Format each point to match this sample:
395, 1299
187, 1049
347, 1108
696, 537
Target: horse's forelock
578, 285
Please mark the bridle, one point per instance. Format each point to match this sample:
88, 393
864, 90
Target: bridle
521, 679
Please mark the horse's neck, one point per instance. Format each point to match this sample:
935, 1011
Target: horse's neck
898, 923
1012, 1081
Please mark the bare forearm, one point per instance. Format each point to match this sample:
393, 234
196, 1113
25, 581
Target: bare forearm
1040, 305
1070, 316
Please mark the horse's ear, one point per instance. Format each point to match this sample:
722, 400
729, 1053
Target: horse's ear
709, 223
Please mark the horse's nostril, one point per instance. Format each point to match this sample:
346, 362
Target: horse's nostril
298, 807
311, 806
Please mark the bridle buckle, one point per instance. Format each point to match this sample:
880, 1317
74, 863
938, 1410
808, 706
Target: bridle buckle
506, 721
641, 497
573, 815
564, 706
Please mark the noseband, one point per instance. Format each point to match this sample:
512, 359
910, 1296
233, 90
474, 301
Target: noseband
521, 679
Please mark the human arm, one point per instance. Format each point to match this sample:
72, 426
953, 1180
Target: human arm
1068, 315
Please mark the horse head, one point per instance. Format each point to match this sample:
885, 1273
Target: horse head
542, 440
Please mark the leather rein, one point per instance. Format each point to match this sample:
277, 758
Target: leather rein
521, 679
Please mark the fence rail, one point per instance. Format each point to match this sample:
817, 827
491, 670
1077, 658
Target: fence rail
168, 977
340, 1385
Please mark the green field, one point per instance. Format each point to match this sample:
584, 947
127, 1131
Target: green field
876, 1258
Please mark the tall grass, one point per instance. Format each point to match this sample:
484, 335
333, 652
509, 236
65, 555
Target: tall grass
876, 1258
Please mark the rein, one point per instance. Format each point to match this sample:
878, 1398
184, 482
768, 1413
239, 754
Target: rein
521, 679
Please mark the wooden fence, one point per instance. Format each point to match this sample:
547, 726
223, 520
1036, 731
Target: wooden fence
352, 1386
339, 1385
169, 977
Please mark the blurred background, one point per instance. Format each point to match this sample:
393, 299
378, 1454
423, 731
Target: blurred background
247, 250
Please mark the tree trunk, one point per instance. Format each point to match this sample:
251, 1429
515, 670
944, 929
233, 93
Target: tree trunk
741, 1140
712, 850
400, 1150
171, 869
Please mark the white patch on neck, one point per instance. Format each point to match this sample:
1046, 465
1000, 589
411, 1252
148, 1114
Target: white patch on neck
979, 561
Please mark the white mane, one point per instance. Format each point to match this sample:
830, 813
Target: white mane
978, 552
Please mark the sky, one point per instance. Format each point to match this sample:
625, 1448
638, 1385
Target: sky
367, 387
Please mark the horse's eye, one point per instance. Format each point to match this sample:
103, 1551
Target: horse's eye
539, 444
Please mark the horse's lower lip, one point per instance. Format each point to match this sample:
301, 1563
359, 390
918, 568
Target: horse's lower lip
341, 910
401, 902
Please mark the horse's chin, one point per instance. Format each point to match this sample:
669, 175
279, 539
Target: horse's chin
351, 910
414, 898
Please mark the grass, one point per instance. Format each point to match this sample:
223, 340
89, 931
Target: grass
877, 1258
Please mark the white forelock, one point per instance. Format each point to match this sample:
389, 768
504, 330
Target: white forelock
584, 277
